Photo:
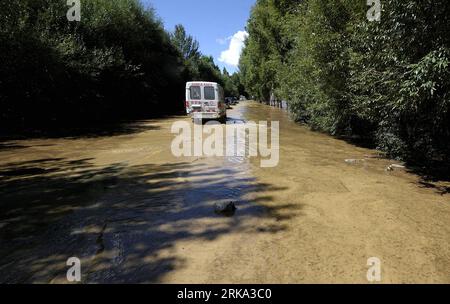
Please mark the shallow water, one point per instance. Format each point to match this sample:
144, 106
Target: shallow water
132, 212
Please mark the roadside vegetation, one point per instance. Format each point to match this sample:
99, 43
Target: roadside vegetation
117, 63
385, 82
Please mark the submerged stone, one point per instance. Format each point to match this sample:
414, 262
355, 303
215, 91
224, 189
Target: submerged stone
227, 209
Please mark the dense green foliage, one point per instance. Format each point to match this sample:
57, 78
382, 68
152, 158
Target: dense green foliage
201, 67
385, 81
117, 63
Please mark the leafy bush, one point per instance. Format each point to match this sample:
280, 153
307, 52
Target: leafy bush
116, 63
385, 81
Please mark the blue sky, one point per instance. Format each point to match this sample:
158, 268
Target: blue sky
218, 25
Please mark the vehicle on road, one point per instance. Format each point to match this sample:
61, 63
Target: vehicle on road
228, 102
205, 101
231, 101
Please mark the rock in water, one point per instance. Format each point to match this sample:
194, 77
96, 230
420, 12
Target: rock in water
227, 209
354, 161
394, 166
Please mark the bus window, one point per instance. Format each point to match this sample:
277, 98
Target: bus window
210, 93
196, 93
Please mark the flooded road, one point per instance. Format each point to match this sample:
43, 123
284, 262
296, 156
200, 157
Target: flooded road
133, 213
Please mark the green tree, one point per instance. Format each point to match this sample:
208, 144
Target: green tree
186, 44
384, 81
117, 62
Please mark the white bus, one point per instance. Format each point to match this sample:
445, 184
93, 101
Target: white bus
205, 100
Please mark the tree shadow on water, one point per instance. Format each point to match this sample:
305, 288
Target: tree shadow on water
435, 176
122, 221
8, 146
91, 130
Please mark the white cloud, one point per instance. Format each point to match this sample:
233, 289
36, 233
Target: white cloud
223, 41
232, 55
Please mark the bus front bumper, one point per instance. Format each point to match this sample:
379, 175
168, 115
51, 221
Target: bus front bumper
206, 115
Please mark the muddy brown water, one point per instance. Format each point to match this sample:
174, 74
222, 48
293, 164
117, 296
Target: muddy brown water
133, 213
